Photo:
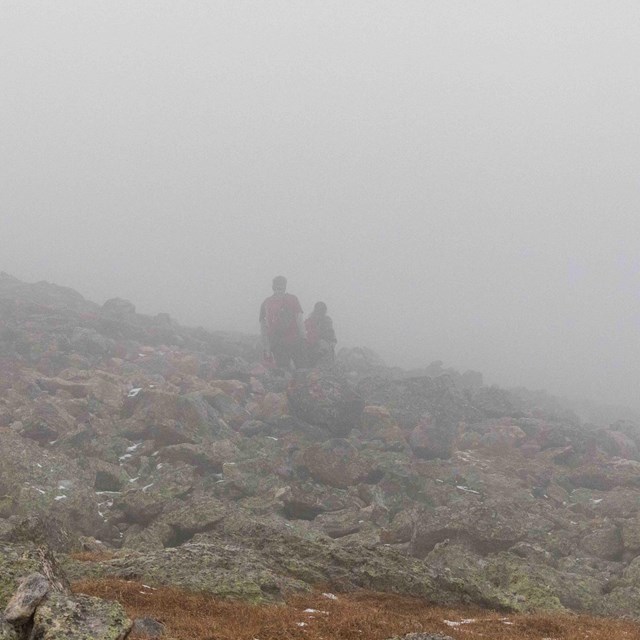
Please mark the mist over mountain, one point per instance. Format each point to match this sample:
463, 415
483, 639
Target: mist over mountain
456, 181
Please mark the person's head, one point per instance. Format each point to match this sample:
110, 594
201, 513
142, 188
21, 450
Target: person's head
279, 284
320, 309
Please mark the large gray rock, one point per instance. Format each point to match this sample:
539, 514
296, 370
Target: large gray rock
148, 627
410, 399
8, 632
64, 617
338, 463
325, 399
430, 440
23, 603
42, 605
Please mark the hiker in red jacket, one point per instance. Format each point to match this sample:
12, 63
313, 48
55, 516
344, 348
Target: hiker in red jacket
321, 338
281, 327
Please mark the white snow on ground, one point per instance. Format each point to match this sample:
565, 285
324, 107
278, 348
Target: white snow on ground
463, 488
315, 611
454, 623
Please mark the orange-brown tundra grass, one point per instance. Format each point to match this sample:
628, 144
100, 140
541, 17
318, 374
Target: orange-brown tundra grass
354, 616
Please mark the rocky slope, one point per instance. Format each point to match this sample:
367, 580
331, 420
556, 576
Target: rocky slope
176, 458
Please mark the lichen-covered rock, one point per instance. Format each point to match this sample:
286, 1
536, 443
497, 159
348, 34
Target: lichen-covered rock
170, 418
78, 617
43, 600
430, 439
410, 399
325, 399
306, 500
486, 526
376, 419
16, 562
339, 524
630, 533
506, 582
44, 420
148, 627
207, 457
231, 411
606, 474
244, 557
272, 406
44, 529
616, 443
166, 482
502, 437
605, 542
46, 483
338, 463
28, 596
8, 632
622, 601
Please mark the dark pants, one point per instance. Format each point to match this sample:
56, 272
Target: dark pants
285, 352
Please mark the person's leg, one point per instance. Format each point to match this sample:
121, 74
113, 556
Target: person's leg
300, 355
281, 355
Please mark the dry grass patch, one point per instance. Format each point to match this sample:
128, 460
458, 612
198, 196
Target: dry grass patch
358, 616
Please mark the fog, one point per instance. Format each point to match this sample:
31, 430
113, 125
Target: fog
456, 180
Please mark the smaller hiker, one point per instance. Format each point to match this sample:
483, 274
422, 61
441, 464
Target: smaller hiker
281, 327
321, 338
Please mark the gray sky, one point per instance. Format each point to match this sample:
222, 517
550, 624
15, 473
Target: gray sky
456, 180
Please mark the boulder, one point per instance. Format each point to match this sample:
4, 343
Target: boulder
487, 527
429, 440
31, 592
208, 458
7, 632
42, 605
306, 500
272, 406
169, 418
409, 400
231, 411
258, 561
119, 307
338, 463
148, 627
325, 399
45, 420
503, 436
617, 443
62, 617
36, 482
605, 542
630, 532
339, 524
16, 562
165, 483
